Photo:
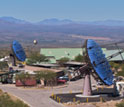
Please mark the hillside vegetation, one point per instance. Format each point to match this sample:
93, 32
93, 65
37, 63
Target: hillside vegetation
8, 101
58, 33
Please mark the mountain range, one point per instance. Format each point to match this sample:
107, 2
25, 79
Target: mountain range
13, 20
59, 33
55, 21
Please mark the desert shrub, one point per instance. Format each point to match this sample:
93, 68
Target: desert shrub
36, 58
1, 91
3, 65
121, 104
6, 101
23, 77
111, 64
117, 66
121, 73
63, 60
122, 67
114, 65
79, 58
46, 75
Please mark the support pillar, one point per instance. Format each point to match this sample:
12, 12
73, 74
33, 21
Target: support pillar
87, 90
13, 60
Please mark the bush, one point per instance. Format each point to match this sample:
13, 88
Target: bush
122, 67
120, 104
79, 58
6, 101
46, 75
121, 73
114, 65
23, 77
36, 58
63, 60
3, 65
1, 91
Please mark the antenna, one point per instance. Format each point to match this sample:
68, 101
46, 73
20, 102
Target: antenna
18, 52
100, 71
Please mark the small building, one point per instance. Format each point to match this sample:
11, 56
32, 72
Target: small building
28, 82
33, 69
55, 54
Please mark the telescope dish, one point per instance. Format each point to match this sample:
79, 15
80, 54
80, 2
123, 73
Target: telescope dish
18, 51
96, 59
97, 65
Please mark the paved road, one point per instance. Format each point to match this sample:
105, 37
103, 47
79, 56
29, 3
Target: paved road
40, 97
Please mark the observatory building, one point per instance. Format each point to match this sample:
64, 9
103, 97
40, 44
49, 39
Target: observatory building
55, 54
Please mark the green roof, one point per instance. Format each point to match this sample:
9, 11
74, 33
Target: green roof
57, 53
61, 52
110, 52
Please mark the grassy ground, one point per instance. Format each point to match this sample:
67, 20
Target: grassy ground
7, 100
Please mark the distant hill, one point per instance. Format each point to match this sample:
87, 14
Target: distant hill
55, 21
13, 20
106, 23
59, 33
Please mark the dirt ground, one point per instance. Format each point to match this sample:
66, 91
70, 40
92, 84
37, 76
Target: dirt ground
96, 104
37, 97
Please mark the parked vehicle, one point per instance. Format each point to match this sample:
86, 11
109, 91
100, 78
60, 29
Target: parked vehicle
61, 81
100, 83
63, 78
20, 65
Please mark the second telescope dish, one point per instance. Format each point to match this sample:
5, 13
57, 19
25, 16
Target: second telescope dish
98, 62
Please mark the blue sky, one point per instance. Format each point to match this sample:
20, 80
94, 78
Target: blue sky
78, 10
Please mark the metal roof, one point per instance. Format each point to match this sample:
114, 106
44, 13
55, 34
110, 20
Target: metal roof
110, 52
61, 52
57, 53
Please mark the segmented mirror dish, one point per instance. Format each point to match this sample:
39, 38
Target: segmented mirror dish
99, 62
18, 51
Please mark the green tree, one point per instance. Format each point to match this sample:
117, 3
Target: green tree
46, 75
121, 73
121, 104
63, 60
36, 58
112, 64
116, 66
79, 58
23, 77
3, 65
